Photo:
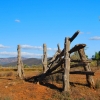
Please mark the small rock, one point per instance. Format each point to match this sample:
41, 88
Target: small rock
6, 86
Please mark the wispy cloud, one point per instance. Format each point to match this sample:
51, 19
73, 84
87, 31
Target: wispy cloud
31, 47
2, 46
81, 32
17, 20
95, 38
85, 32
88, 32
27, 54
5, 53
37, 47
23, 54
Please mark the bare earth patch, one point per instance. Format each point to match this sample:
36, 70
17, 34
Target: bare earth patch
15, 89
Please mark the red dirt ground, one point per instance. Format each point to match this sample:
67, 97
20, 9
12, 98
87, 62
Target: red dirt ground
14, 89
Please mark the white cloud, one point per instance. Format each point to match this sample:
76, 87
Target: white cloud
36, 47
5, 53
95, 38
23, 54
88, 33
31, 47
2, 46
81, 32
85, 32
27, 54
17, 20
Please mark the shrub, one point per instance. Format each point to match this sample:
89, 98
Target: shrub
5, 98
9, 74
97, 84
61, 96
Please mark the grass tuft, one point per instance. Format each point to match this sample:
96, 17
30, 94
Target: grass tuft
97, 84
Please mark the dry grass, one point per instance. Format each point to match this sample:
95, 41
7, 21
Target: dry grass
6, 74
97, 84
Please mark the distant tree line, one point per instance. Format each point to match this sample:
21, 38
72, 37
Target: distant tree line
97, 57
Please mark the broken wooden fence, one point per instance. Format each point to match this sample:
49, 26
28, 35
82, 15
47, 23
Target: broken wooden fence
63, 58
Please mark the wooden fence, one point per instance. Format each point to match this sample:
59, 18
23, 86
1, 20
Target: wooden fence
61, 63
63, 58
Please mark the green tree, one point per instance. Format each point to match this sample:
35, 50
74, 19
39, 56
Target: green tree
96, 55
25, 66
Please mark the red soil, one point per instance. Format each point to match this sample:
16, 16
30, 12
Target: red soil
15, 89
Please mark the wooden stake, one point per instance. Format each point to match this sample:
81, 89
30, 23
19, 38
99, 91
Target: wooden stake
44, 60
20, 70
66, 85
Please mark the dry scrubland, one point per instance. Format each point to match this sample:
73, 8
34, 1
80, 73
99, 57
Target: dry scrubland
12, 88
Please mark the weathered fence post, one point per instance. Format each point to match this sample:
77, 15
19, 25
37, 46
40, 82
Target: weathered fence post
20, 71
44, 59
83, 57
66, 85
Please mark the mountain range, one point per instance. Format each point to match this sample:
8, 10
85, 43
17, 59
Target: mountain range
12, 61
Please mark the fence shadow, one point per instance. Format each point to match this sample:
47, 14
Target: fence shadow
47, 84
76, 83
50, 85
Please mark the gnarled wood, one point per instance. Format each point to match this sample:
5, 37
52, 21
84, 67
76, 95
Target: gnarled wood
74, 36
82, 72
20, 71
77, 65
89, 78
66, 85
87, 61
44, 59
77, 47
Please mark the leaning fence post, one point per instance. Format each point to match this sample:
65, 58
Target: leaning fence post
66, 84
83, 57
20, 71
44, 59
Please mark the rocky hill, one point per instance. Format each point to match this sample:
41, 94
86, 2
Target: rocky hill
4, 61
13, 61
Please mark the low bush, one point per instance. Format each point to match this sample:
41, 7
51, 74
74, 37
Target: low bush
97, 84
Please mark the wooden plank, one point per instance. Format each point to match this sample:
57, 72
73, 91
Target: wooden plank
89, 78
87, 61
58, 71
59, 50
77, 65
62, 53
74, 36
82, 72
48, 72
66, 85
55, 58
74, 72
55, 67
77, 47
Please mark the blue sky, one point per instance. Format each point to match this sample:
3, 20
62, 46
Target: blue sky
31, 23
